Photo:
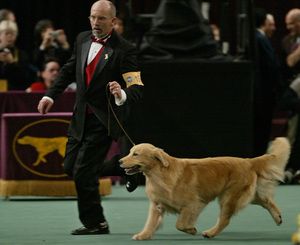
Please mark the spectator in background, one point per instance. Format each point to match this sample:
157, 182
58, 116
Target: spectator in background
290, 100
50, 43
47, 76
14, 63
294, 56
266, 84
216, 32
289, 72
289, 44
6, 14
119, 26
270, 26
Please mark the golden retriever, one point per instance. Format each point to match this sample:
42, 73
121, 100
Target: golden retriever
186, 186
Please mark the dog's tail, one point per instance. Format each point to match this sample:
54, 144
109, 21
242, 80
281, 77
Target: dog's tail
271, 165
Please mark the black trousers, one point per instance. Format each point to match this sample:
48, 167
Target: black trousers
83, 159
263, 113
111, 167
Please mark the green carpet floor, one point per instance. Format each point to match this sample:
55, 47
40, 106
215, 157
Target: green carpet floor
34, 220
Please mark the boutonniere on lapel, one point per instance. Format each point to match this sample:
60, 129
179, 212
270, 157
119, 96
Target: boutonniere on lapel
106, 56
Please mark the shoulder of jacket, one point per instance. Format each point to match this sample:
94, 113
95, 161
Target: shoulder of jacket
84, 34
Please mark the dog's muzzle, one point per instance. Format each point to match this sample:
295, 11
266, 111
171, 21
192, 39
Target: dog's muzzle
131, 170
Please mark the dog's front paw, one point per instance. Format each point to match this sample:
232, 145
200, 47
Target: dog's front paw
208, 234
192, 231
141, 236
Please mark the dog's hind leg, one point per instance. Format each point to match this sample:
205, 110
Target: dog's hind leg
264, 198
269, 204
40, 158
187, 218
230, 204
155, 216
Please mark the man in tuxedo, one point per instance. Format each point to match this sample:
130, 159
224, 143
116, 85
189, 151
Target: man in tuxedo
104, 66
266, 84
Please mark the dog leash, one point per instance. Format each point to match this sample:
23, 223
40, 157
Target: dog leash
110, 109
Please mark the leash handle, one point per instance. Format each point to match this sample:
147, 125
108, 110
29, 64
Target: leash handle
110, 109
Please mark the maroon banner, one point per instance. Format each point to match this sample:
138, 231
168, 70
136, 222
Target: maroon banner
33, 146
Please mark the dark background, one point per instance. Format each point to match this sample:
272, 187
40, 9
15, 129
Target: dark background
202, 127
72, 15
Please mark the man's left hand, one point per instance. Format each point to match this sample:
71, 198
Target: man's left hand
115, 89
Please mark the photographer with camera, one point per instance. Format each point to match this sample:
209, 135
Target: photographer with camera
15, 68
50, 43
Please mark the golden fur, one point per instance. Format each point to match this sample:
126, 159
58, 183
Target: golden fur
186, 186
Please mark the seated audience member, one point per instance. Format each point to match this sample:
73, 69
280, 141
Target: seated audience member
47, 76
15, 68
6, 14
50, 43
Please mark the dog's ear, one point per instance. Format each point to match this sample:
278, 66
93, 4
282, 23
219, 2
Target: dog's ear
159, 155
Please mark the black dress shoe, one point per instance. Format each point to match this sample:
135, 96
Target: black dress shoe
132, 182
102, 228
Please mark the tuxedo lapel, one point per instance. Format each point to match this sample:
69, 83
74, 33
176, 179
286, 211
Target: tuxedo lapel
104, 58
84, 54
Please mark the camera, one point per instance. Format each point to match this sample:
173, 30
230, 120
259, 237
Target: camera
55, 34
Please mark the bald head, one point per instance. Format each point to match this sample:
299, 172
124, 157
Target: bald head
102, 18
292, 20
105, 4
292, 13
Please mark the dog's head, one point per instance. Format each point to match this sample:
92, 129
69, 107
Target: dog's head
25, 140
143, 158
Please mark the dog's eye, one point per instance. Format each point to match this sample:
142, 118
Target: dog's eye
135, 154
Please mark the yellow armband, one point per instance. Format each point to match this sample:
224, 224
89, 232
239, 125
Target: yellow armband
133, 77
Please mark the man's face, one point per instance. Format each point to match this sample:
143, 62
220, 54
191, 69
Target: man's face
270, 26
290, 24
297, 27
50, 73
101, 19
7, 38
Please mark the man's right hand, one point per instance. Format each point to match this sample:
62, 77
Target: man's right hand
44, 105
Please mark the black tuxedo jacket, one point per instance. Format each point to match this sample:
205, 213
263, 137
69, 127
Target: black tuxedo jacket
118, 57
268, 70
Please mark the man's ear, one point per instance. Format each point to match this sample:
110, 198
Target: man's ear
159, 155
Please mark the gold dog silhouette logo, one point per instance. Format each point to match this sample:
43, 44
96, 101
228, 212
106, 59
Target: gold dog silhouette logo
44, 146
40, 147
